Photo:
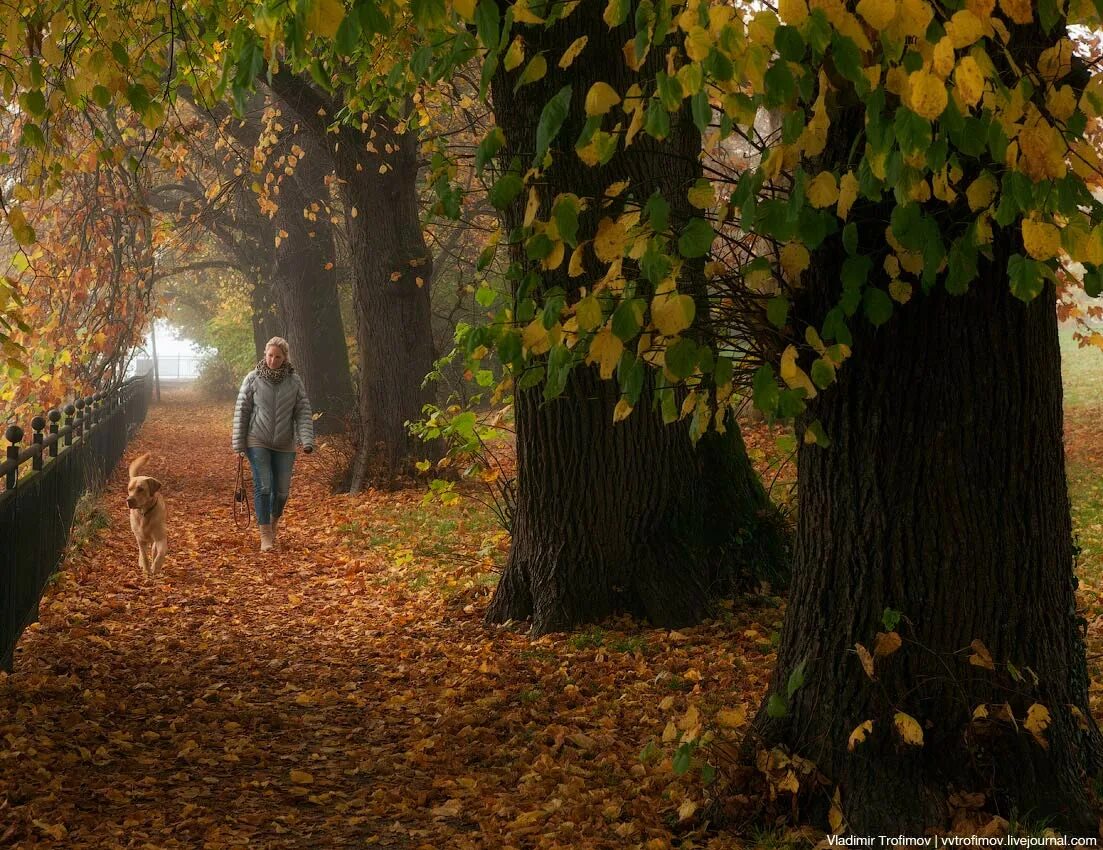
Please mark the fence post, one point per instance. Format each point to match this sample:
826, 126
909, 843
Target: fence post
70, 411
79, 424
55, 417
14, 435
38, 423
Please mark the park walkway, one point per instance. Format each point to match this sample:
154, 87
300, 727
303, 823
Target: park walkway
343, 694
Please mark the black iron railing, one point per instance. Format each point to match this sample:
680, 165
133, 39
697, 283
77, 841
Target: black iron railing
39, 500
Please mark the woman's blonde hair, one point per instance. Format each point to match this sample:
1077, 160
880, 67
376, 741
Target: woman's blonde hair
281, 344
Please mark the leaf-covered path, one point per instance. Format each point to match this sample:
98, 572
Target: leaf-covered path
344, 693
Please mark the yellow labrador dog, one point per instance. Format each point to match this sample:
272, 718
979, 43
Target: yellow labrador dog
148, 517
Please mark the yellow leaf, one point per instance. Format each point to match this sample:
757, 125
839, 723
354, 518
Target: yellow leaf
325, 17
909, 729
835, 817
1041, 240
698, 43
964, 28
1037, 721
555, 259
622, 410
793, 12
927, 95
969, 80
823, 191
981, 191
795, 377
981, 657
1042, 151
794, 260
600, 99
848, 193
1020, 11
686, 810
878, 13
913, 17
605, 349
515, 55
465, 9
886, 644
942, 58
301, 777
609, 241
522, 14
1061, 102
670, 733
900, 291
859, 735
866, 659
672, 313
731, 717
701, 194
531, 207
535, 70
24, 234
576, 267
571, 53
588, 313
535, 337
1056, 62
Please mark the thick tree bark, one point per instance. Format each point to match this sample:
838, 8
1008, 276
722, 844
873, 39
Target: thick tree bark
942, 496
391, 268
630, 516
306, 293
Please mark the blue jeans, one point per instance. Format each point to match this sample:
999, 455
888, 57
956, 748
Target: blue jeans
271, 482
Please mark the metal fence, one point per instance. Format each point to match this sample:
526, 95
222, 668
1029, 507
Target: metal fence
39, 500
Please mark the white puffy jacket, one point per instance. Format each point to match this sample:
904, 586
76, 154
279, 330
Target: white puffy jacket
272, 415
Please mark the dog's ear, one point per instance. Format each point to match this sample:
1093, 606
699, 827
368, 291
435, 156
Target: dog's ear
154, 486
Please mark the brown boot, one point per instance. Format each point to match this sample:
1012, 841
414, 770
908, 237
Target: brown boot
267, 539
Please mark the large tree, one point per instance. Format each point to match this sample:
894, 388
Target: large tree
377, 164
612, 515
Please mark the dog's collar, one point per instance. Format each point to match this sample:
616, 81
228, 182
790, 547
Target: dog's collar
151, 507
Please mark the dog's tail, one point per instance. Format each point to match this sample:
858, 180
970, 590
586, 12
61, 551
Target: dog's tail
138, 462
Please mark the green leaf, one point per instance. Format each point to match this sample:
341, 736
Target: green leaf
34, 102
777, 706
696, 239
777, 311
765, 390
1093, 283
657, 122
487, 23
878, 305
796, 679
551, 120
850, 238
32, 136
565, 213
1027, 277
702, 111
616, 12
657, 212
681, 357
626, 319
488, 148
891, 619
789, 44
505, 189
485, 296
683, 758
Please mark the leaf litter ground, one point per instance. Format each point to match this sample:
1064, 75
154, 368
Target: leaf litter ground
344, 693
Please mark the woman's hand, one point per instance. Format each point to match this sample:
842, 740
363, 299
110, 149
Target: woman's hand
307, 449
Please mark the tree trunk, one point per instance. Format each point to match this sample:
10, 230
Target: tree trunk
391, 268
306, 294
942, 496
266, 321
616, 517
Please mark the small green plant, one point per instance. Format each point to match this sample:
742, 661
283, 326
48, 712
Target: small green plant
629, 645
589, 639
531, 695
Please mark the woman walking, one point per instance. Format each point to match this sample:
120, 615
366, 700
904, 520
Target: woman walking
272, 411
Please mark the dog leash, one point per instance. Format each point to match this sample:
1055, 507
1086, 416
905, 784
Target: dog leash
243, 511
